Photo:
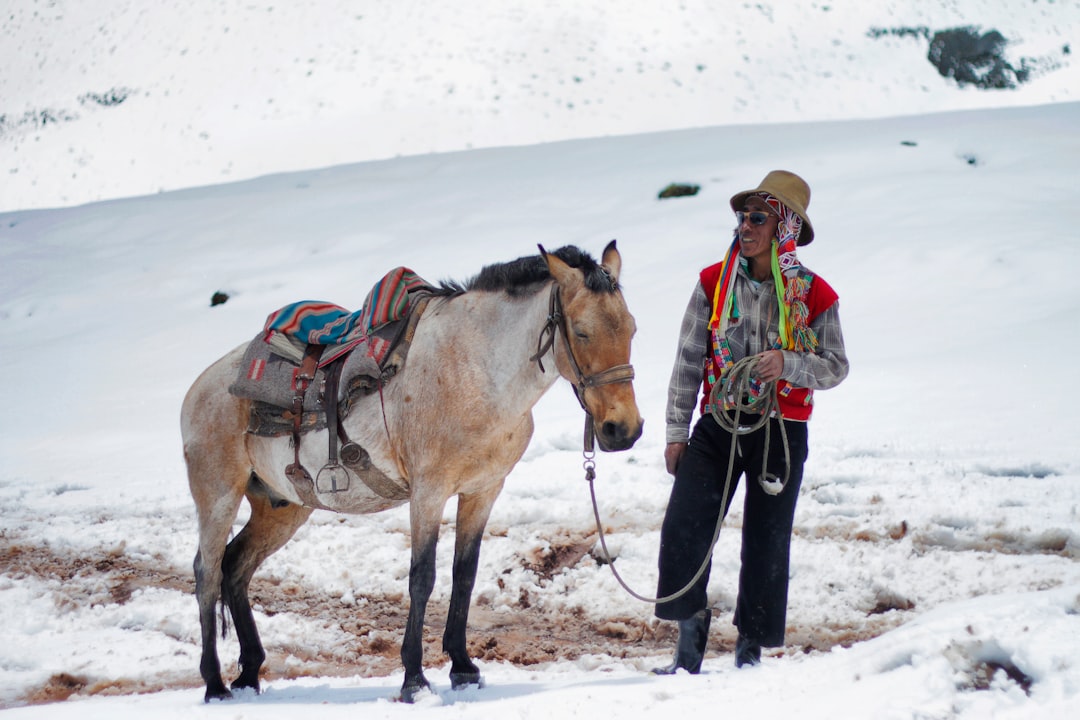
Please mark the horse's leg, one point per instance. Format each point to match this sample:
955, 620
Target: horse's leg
215, 514
425, 516
212, 424
267, 530
472, 516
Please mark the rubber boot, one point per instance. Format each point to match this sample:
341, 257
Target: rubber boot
747, 652
690, 650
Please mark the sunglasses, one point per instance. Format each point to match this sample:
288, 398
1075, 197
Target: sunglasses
755, 218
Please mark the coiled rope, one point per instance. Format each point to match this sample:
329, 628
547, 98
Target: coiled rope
739, 398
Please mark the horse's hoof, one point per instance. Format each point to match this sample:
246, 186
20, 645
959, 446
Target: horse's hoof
411, 690
459, 680
219, 693
242, 683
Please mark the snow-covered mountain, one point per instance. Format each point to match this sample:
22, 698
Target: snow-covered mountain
113, 98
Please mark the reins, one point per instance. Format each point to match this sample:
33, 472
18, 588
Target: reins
738, 381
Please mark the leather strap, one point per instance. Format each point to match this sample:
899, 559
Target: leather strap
330, 405
304, 378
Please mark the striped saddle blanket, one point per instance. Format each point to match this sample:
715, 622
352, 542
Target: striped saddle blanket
272, 360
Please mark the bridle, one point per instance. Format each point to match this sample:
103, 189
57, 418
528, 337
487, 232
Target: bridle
555, 325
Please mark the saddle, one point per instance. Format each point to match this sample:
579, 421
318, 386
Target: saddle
344, 356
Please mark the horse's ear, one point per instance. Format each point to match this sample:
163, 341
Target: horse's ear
612, 262
564, 275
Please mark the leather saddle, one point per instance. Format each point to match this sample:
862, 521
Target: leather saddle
294, 398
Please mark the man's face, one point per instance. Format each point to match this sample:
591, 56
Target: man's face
755, 241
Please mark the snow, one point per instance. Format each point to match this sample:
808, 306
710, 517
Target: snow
107, 99
934, 566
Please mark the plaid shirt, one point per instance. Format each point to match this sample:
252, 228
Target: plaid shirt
756, 331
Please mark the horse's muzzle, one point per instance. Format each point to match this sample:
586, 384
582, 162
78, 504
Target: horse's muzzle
614, 436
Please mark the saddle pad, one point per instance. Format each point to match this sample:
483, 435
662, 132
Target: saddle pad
268, 377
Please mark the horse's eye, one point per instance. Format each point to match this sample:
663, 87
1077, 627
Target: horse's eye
584, 337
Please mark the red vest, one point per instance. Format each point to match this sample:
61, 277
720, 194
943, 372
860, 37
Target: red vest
795, 403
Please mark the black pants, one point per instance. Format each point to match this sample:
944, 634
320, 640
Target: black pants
695, 505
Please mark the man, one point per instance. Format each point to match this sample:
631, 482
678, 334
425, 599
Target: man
758, 303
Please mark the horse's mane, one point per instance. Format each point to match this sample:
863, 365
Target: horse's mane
526, 275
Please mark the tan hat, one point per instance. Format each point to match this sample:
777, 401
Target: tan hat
788, 188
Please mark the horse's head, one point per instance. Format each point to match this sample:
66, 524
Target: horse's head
597, 328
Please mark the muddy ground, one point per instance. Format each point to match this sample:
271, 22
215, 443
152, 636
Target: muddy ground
376, 623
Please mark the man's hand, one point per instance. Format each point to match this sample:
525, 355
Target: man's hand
672, 455
770, 365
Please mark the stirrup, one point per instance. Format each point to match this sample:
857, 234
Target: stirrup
332, 478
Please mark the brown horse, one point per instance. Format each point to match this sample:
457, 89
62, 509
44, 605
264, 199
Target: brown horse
454, 421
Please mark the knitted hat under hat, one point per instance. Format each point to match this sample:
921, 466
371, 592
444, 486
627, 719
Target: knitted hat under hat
788, 188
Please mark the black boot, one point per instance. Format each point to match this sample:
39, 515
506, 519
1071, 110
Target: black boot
747, 651
690, 651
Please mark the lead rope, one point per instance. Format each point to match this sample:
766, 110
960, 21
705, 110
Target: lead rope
739, 377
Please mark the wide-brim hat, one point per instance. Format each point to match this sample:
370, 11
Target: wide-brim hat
788, 188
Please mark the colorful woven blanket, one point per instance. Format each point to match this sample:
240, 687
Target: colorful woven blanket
298, 324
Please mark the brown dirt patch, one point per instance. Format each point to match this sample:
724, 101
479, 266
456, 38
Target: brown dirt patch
376, 623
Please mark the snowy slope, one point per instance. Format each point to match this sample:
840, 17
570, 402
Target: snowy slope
111, 99
942, 491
